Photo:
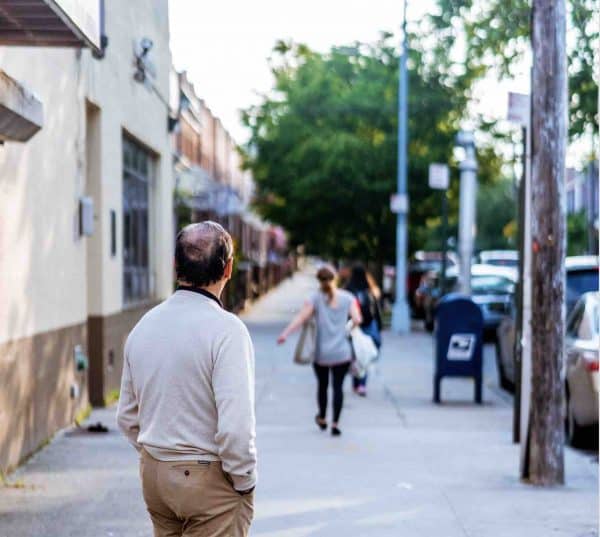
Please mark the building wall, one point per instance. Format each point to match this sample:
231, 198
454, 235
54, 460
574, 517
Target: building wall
188, 142
38, 374
40, 183
128, 106
207, 140
221, 155
582, 196
59, 290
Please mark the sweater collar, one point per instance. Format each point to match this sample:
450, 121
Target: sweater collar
200, 291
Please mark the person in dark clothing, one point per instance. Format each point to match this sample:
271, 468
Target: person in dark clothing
366, 293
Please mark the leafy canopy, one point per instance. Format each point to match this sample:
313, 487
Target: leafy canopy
497, 36
323, 147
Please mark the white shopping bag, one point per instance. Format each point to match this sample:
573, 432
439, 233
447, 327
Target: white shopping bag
365, 351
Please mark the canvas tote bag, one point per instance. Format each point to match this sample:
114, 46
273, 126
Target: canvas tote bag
365, 351
307, 344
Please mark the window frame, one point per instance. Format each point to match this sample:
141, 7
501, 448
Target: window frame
137, 181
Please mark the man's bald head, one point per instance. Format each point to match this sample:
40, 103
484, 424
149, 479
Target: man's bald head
202, 252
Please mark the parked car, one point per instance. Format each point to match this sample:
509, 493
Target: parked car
582, 383
420, 264
505, 350
581, 277
499, 258
492, 289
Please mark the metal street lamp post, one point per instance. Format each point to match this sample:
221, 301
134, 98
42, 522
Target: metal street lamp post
439, 179
468, 198
400, 312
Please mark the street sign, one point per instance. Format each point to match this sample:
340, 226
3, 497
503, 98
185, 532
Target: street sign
518, 108
439, 176
399, 203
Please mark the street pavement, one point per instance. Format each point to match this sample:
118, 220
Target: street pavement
403, 467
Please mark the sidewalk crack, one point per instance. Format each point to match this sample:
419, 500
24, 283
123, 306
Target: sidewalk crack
391, 397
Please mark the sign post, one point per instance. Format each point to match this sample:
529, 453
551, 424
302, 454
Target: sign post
519, 113
468, 207
400, 311
439, 179
399, 203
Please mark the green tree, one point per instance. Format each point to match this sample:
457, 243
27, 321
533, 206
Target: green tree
496, 212
497, 35
577, 240
323, 147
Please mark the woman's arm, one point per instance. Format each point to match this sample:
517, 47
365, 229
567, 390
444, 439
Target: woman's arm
303, 315
355, 314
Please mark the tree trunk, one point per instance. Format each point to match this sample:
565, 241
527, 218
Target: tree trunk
549, 136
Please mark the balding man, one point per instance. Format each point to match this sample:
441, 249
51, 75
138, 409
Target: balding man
187, 398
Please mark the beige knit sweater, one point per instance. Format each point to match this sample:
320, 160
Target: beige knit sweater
187, 389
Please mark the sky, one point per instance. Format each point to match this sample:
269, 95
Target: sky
224, 45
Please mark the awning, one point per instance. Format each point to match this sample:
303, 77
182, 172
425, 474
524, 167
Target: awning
278, 238
192, 181
52, 23
223, 200
21, 114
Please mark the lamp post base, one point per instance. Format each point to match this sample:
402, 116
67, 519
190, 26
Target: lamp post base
401, 317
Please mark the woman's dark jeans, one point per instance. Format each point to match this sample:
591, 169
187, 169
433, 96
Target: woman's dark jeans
356, 382
338, 373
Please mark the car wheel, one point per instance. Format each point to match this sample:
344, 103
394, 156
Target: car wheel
505, 383
573, 430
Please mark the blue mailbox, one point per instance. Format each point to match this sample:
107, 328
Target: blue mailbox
458, 342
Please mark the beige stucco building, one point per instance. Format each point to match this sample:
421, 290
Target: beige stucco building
68, 291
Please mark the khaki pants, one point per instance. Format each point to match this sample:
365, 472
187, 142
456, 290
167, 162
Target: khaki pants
193, 499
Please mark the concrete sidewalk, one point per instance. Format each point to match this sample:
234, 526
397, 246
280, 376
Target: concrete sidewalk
403, 466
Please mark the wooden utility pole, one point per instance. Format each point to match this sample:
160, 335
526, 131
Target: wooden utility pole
545, 456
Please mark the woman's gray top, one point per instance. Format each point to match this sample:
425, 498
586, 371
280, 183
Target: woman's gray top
333, 346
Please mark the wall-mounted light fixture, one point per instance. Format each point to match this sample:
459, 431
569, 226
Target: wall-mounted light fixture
144, 68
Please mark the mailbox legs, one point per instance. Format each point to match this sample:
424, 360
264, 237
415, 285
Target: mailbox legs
478, 389
437, 381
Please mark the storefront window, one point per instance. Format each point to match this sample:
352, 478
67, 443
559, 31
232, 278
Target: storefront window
136, 265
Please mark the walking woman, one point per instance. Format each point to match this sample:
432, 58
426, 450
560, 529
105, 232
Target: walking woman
331, 307
363, 287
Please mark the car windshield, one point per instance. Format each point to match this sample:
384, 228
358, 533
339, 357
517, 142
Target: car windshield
582, 281
485, 285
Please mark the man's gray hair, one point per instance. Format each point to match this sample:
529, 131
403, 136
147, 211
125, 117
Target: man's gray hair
202, 251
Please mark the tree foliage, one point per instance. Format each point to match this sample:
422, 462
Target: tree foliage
497, 35
323, 146
577, 230
496, 214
